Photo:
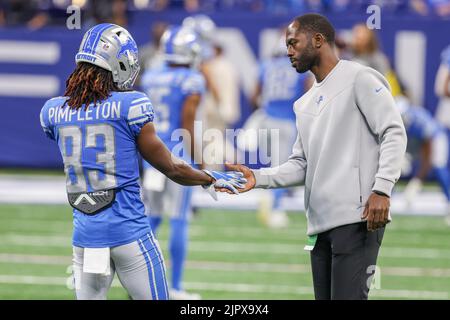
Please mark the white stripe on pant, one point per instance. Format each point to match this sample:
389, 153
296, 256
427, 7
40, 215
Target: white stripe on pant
139, 266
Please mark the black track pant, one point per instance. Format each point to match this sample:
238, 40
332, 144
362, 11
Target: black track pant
343, 260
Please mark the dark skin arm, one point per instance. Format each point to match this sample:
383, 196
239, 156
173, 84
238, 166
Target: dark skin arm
187, 122
248, 174
425, 160
156, 153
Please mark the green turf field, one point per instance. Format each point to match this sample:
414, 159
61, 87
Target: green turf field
231, 256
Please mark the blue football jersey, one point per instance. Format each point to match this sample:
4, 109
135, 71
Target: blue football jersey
99, 150
281, 87
168, 88
420, 124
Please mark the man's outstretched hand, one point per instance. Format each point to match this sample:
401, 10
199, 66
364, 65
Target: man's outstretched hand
228, 181
248, 175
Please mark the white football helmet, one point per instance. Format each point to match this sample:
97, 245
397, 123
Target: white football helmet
111, 47
202, 24
181, 45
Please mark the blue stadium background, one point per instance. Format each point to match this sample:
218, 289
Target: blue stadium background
22, 143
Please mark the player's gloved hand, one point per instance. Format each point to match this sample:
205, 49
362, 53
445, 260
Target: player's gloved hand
229, 180
413, 187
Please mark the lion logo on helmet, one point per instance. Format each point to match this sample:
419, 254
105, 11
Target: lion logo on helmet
129, 45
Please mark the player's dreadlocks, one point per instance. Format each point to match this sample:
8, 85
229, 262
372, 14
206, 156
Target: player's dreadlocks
88, 84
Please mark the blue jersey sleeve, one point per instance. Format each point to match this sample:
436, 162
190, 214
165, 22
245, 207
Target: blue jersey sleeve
193, 84
429, 126
139, 112
420, 123
45, 122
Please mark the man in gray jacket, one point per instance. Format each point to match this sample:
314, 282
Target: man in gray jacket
350, 144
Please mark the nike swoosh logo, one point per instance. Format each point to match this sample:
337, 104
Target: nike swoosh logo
378, 90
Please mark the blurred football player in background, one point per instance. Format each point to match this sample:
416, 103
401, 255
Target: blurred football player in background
101, 126
176, 91
220, 107
276, 91
204, 26
427, 141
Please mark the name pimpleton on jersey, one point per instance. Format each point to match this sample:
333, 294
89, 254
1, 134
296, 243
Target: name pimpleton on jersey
109, 110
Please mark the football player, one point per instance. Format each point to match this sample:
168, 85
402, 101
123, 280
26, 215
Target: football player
176, 91
100, 125
277, 89
220, 106
428, 139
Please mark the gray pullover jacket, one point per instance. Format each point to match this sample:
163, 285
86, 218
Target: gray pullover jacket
351, 141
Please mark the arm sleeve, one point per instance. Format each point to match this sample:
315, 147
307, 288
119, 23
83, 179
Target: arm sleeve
45, 123
377, 105
290, 173
139, 113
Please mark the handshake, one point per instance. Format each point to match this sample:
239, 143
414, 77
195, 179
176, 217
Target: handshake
233, 182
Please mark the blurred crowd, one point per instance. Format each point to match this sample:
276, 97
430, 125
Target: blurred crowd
37, 13
221, 105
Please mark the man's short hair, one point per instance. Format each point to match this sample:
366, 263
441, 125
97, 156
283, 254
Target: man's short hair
316, 23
